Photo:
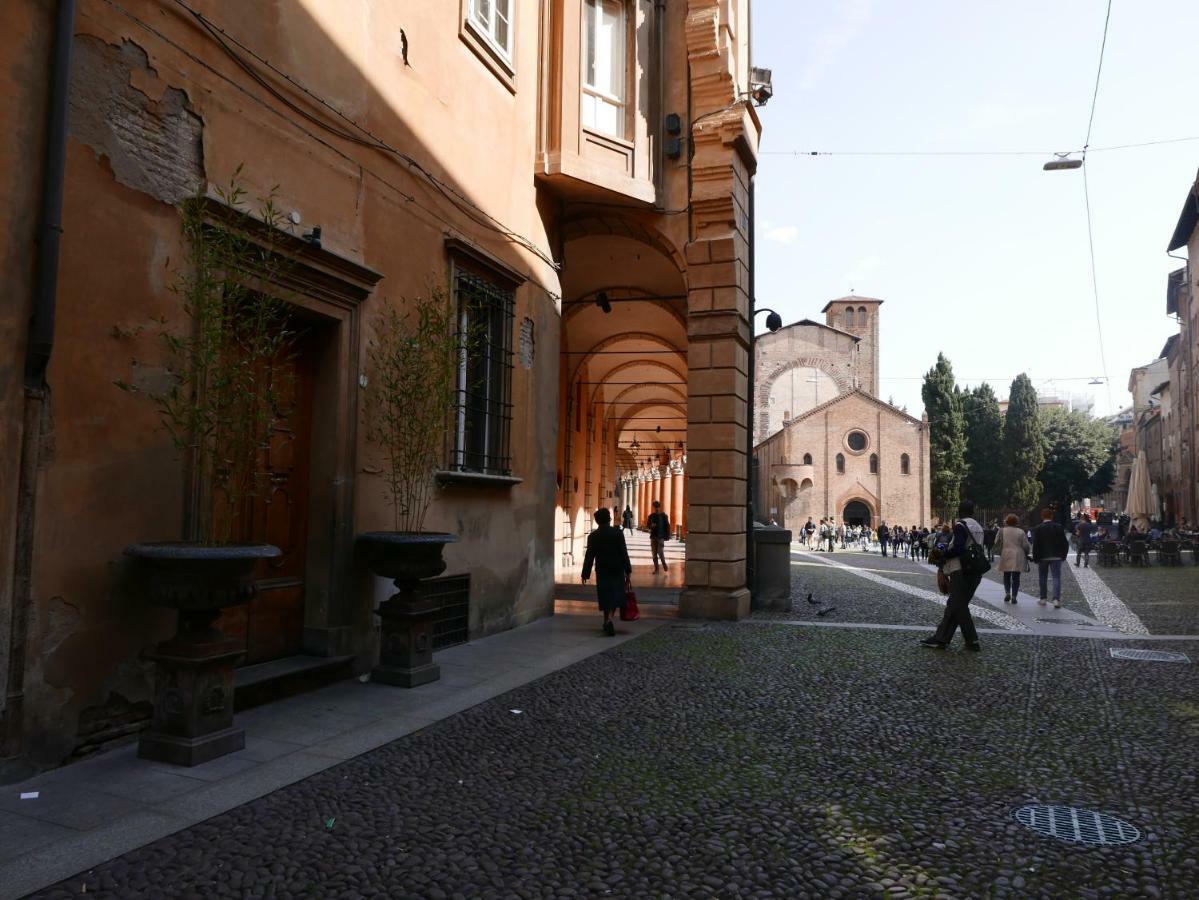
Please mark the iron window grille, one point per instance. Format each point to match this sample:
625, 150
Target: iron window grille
483, 407
451, 593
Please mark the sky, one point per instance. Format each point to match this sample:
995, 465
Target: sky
983, 258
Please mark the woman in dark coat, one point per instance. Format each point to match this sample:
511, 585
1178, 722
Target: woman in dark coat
606, 550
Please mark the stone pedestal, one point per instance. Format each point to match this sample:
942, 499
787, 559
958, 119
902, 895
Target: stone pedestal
406, 642
193, 695
772, 568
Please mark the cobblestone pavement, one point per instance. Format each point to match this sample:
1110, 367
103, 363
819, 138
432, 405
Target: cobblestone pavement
737, 761
1165, 598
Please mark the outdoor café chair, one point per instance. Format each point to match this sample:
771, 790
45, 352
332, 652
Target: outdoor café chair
1170, 553
1109, 554
1138, 553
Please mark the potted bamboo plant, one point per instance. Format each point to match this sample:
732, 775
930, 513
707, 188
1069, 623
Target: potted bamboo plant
412, 371
218, 408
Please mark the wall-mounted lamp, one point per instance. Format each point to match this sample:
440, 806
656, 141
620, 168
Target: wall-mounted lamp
602, 301
314, 237
760, 89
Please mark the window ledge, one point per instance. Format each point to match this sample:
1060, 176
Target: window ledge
450, 478
486, 51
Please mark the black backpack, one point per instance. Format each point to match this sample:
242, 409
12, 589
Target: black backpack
974, 560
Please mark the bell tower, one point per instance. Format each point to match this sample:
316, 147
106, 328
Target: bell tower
859, 316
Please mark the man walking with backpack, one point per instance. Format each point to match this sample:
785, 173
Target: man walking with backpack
964, 561
659, 531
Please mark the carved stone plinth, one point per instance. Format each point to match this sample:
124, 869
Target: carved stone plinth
193, 690
406, 642
193, 695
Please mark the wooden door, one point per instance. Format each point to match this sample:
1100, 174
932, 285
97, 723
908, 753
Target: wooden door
272, 624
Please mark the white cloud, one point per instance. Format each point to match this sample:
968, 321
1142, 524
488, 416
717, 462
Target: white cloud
782, 234
855, 16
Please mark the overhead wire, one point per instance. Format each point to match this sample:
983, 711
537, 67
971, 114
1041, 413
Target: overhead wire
1086, 192
982, 153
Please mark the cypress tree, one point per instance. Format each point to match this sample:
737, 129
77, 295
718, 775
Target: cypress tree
1023, 445
946, 436
984, 482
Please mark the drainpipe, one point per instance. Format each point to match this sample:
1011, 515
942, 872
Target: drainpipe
750, 568
37, 361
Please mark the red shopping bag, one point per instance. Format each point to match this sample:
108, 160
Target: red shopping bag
629, 612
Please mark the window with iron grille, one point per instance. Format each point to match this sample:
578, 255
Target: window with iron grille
483, 408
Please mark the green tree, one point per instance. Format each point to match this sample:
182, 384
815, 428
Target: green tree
947, 440
984, 481
1079, 457
1023, 445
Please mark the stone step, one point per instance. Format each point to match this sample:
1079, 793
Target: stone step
265, 682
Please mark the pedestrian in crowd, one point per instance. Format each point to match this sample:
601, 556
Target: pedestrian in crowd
842, 528
989, 535
926, 537
866, 536
626, 520
809, 530
658, 525
1013, 549
608, 553
1084, 534
1050, 547
962, 584
884, 534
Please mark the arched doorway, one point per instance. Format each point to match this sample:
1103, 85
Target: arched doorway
856, 513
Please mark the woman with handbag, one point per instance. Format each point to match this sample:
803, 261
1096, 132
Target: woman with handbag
1013, 549
608, 553
964, 562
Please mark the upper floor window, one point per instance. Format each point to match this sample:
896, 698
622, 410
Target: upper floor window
840, 463
849, 316
905, 465
483, 417
604, 65
873, 463
807, 459
493, 20
861, 315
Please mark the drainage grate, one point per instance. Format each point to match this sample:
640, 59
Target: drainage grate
1079, 826
1149, 655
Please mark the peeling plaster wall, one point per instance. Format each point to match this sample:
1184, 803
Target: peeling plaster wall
152, 143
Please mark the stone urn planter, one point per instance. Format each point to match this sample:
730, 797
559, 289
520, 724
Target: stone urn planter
406, 642
193, 690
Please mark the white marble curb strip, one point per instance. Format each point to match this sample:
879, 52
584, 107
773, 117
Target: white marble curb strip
1107, 607
977, 611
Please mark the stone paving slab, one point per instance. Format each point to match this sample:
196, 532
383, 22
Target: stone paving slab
735, 761
102, 807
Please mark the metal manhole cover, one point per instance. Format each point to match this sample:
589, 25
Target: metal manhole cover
1149, 655
1080, 826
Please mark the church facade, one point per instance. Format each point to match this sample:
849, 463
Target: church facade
826, 446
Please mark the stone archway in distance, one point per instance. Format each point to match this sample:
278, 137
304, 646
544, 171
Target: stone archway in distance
856, 512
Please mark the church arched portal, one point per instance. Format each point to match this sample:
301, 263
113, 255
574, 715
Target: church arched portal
856, 513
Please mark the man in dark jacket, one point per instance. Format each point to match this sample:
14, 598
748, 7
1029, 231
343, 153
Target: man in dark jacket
1050, 548
962, 584
1083, 532
884, 535
606, 550
659, 532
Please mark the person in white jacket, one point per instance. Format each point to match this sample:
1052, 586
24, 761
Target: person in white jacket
1013, 549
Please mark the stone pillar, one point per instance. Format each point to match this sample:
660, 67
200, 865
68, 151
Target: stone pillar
666, 493
642, 494
724, 137
676, 499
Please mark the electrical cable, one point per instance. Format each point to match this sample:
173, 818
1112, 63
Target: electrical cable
1086, 192
464, 204
938, 153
